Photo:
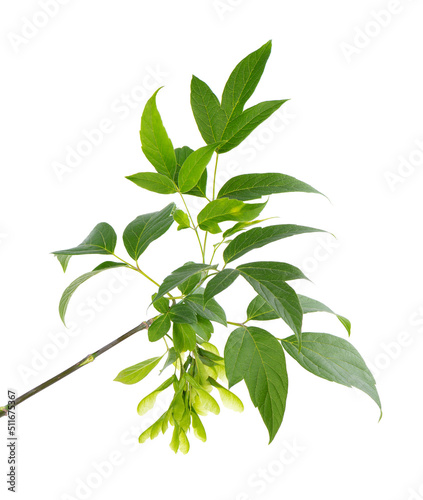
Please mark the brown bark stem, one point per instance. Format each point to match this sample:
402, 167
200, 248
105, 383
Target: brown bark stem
88, 359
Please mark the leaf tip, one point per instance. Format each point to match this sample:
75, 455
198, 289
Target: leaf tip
327, 197
271, 437
62, 314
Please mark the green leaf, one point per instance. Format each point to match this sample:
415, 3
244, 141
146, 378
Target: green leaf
181, 155
241, 127
181, 313
346, 322
209, 354
162, 305
135, 373
64, 261
243, 80
200, 189
171, 358
193, 168
145, 229
253, 186
261, 236
226, 210
260, 310
184, 338
220, 282
212, 311
265, 270
254, 355
203, 328
268, 280
159, 328
156, 144
182, 219
311, 305
333, 359
153, 181
149, 401
188, 285
178, 276
102, 240
211, 119
70, 290
201, 360
241, 226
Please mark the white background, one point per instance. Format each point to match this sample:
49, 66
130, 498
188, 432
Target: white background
354, 118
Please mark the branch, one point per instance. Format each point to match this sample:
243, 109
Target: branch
88, 359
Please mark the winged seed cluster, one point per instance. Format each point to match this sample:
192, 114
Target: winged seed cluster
185, 303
